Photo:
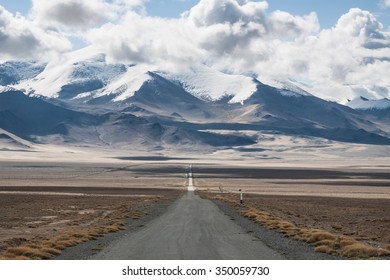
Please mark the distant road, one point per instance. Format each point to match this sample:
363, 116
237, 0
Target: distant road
191, 187
191, 229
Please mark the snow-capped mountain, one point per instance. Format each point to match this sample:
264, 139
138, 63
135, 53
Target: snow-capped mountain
211, 85
362, 103
82, 98
76, 73
85, 75
12, 72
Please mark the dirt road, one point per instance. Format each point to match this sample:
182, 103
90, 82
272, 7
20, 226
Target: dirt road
192, 229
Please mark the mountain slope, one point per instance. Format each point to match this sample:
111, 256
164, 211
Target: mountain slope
308, 115
87, 100
30, 117
10, 142
128, 130
23, 115
85, 74
272, 109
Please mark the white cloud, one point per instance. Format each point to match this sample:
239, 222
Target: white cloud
385, 3
51, 25
210, 31
74, 13
212, 12
222, 26
226, 26
356, 52
285, 24
79, 14
140, 39
21, 39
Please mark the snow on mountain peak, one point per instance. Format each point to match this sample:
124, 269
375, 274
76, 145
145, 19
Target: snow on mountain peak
129, 83
366, 104
87, 67
289, 88
86, 74
6, 89
212, 85
57, 73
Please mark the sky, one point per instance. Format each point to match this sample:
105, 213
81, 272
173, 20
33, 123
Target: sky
329, 45
328, 11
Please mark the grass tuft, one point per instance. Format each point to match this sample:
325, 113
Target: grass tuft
51, 251
317, 236
360, 250
136, 215
28, 252
325, 249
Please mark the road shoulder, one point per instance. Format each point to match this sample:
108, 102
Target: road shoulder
87, 250
291, 249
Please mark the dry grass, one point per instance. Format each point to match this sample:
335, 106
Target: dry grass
136, 215
45, 249
323, 241
114, 227
30, 252
325, 249
76, 220
360, 250
14, 258
316, 236
27, 252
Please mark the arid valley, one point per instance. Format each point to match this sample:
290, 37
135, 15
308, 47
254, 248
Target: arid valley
49, 206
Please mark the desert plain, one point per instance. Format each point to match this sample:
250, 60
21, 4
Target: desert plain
53, 199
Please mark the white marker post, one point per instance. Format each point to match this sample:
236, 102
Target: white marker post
241, 200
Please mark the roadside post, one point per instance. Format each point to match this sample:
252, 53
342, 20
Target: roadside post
241, 201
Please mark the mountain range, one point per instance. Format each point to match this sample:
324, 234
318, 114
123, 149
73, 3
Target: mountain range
82, 99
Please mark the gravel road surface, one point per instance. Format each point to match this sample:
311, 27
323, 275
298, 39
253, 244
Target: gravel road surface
191, 229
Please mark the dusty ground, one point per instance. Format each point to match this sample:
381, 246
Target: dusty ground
40, 202
35, 217
106, 175
322, 182
365, 220
350, 202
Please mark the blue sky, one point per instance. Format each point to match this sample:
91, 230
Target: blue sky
328, 11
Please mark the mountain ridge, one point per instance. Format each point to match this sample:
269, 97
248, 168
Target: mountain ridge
87, 100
